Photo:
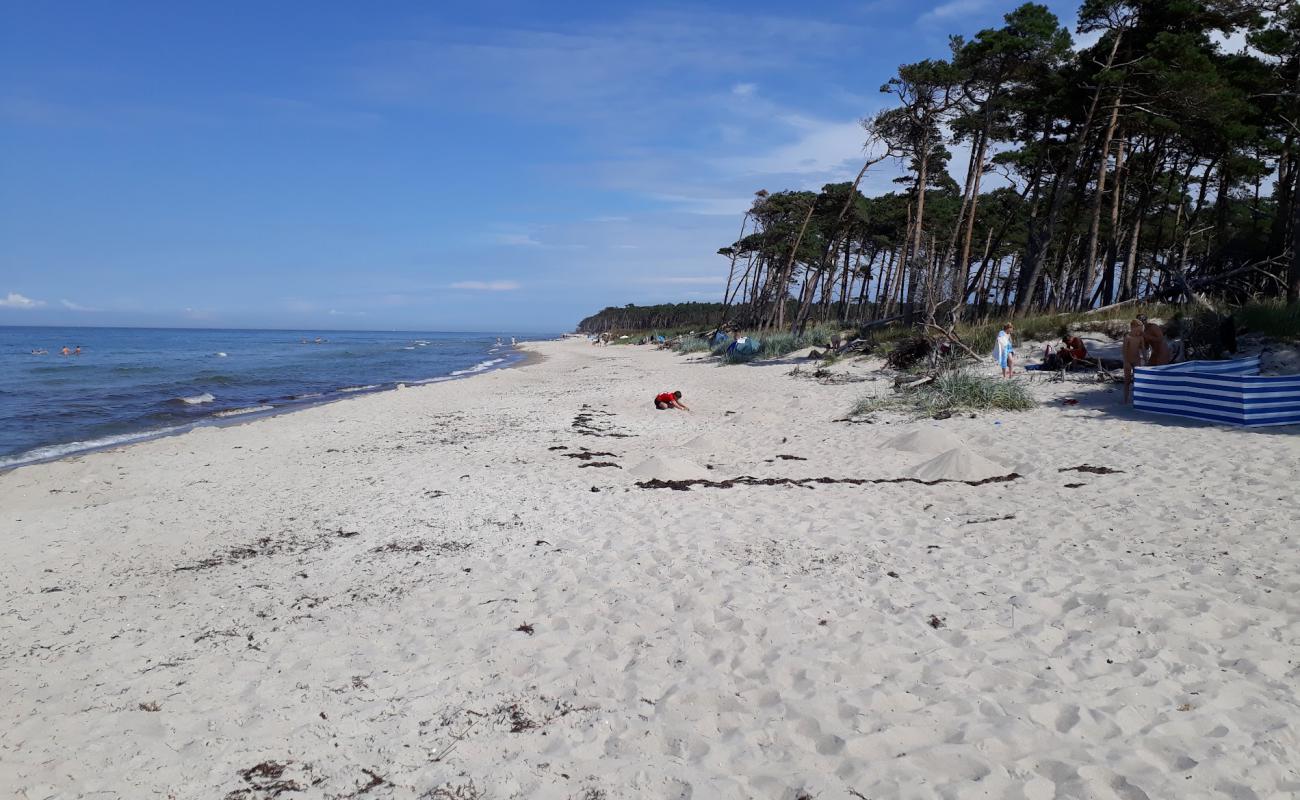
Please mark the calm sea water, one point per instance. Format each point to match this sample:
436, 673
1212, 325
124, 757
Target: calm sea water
132, 383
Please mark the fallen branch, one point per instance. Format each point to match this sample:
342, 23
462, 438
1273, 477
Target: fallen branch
954, 338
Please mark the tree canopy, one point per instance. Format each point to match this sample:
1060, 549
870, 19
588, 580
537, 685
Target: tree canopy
1153, 164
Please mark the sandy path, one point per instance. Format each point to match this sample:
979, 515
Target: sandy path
329, 603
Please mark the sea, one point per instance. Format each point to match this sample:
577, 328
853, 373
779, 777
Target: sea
129, 384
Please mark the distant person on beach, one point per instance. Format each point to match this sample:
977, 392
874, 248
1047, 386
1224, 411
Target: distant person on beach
1134, 342
1073, 352
1004, 351
666, 400
1154, 337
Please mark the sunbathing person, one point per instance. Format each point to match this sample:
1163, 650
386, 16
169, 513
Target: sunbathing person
1154, 336
666, 400
1133, 344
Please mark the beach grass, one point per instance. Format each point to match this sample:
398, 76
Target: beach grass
1271, 318
951, 391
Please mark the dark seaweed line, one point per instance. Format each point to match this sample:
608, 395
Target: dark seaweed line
746, 480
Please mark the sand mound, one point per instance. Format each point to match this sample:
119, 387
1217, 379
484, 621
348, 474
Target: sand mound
959, 464
926, 440
665, 468
705, 443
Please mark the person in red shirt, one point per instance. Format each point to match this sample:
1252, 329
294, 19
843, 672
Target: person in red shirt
1074, 349
665, 400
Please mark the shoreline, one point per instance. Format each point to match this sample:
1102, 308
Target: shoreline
498, 584
241, 416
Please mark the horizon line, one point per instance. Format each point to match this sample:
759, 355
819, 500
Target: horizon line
282, 330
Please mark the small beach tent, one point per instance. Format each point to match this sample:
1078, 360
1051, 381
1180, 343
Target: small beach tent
1219, 391
745, 345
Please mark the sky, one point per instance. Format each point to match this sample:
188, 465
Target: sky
420, 166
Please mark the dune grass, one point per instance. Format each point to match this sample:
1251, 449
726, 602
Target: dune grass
1271, 318
953, 390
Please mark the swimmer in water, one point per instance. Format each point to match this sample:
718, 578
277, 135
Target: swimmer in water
77, 352
65, 351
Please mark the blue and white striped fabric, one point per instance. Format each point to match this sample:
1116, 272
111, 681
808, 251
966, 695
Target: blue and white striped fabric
1219, 391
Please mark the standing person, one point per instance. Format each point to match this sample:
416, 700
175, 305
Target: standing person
1154, 337
666, 400
65, 351
1134, 342
1004, 351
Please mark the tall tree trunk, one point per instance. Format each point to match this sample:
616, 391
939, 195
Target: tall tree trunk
1090, 264
963, 261
1040, 236
974, 165
783, 285
1293, 272
1112, 240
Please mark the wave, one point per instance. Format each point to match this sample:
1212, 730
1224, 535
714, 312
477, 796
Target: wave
50, 452
218, 378
350, 389
197, 399
479, 367
237, 412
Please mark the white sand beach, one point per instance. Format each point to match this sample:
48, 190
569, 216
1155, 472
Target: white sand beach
458, 590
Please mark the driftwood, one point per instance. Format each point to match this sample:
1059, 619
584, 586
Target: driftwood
952, 336
898, 384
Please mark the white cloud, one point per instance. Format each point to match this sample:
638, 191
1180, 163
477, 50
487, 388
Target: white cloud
744, 89
15, 300
821, 148
487, 286
955, 10
71, 306
334, 312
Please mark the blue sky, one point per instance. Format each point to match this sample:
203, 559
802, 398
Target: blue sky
428, 166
